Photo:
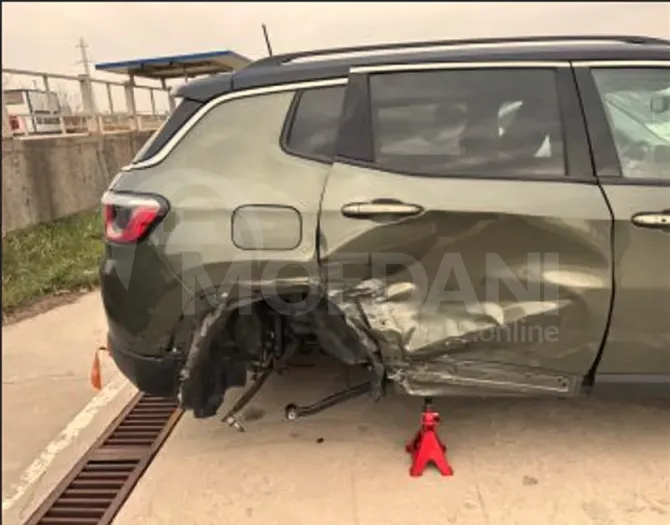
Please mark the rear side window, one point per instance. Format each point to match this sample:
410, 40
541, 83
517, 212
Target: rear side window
312, 129
488, 122
637, 105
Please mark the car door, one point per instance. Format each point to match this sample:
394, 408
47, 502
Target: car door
628, 111
475, 253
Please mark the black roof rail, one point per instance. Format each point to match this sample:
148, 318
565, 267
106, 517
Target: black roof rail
276, 60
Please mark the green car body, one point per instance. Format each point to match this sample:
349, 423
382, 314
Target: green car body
336, 204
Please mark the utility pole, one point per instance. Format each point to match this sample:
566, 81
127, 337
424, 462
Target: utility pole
86, 85
84, 57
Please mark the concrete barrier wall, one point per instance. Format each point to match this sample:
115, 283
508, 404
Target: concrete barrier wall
51, 177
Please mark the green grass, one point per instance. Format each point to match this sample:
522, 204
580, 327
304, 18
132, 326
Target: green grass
52, 258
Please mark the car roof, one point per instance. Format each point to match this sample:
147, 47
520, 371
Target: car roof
286, 68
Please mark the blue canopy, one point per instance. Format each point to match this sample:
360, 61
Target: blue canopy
178, 66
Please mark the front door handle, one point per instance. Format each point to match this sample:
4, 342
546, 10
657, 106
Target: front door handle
655, 220
380, 207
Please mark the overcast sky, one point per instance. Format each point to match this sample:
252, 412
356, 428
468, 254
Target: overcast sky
43, 36
38, 35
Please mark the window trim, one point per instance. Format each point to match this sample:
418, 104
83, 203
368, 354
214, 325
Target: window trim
167, 148
577, 159
473, 176
578, 162
425, 66
606, 160
289, 121
354, 140
617, 64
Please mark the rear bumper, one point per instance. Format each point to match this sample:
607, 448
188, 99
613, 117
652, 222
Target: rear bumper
152, 375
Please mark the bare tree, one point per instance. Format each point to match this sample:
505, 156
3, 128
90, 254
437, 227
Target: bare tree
66, 100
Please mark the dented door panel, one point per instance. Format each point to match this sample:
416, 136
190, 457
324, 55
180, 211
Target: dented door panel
499, 284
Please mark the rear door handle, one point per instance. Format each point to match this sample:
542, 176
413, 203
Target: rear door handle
657, 220
380, 207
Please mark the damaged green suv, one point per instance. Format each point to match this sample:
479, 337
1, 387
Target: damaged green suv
479, 217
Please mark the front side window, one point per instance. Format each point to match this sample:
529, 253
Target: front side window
489, 122
637, 105
313, 131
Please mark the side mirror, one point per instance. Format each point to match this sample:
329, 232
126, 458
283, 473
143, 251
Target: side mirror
660, 104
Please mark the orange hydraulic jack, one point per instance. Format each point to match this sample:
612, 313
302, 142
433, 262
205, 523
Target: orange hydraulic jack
426, 445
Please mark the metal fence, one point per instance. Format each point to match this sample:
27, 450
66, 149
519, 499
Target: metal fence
98, 108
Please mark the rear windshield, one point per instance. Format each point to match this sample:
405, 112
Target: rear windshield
182, 113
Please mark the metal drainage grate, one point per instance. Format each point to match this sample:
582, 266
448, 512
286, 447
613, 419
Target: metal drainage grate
94, 490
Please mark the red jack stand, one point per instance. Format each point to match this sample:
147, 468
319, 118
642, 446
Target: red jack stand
426, 445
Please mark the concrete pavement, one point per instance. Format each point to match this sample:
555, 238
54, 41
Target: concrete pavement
516, 462
50, 413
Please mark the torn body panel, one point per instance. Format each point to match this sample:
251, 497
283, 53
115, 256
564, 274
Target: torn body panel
465, 291
212, 363
482, 289
454, 300
446, 355
481, 292
259, 335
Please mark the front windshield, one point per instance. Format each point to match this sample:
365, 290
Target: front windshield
626, 118
637, 103
637, 107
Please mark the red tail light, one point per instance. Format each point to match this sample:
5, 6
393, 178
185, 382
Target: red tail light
129, 218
